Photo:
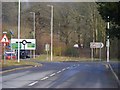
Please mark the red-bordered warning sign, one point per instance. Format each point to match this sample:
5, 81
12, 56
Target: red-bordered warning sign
4, 39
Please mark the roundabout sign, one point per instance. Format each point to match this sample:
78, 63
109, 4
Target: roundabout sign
25, 44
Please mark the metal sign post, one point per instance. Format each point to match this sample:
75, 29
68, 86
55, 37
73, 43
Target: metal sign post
92, 54
11, 32
47, 48
4, 53
100, 54
4, 40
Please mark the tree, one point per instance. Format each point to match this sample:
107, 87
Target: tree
112, 9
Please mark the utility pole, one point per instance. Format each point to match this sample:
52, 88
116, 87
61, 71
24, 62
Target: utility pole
108, 42
51, 31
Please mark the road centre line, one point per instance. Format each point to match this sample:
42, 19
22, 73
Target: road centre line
58, 71
63, 69
67, 67
33, 83
52, 74
44, 78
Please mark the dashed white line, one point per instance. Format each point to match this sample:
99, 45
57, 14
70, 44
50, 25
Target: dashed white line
33, 83
44, 78
63, 69
52, 74
74, 65
68, 67
58, 71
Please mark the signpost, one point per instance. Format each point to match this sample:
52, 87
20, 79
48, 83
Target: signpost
4, 40
25, 44
96, 45
47, 48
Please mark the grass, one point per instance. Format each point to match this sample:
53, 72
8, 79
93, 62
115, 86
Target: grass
65, 58
15, 63
61, 58
43, 58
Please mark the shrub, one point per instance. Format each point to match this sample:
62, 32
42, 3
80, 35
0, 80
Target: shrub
71, 51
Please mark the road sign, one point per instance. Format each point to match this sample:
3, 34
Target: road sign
96, 45
27, 44
4, 39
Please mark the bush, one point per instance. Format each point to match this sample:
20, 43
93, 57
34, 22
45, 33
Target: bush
71, 51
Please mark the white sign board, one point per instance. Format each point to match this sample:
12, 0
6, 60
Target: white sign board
25, 44
96, 45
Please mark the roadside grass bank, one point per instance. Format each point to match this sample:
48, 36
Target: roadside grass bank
9, 63
45, 58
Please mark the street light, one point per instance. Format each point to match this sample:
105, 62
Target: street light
51, 31
19, 32
34, 27
108, 42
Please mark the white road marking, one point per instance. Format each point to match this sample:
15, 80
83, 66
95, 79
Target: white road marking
68, 67
52, 74
58, 71
44, 78
106, 66
114, 74
63, 69
33, 83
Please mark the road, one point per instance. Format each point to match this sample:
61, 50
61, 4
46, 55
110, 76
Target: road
62, 75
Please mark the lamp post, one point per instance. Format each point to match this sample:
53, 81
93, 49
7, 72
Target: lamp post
51, 31
108, 42
19, 32
34, 27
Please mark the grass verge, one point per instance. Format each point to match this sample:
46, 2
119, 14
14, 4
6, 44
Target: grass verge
15, 63
44, 58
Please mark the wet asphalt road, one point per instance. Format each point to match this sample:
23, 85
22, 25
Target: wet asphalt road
62, 75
